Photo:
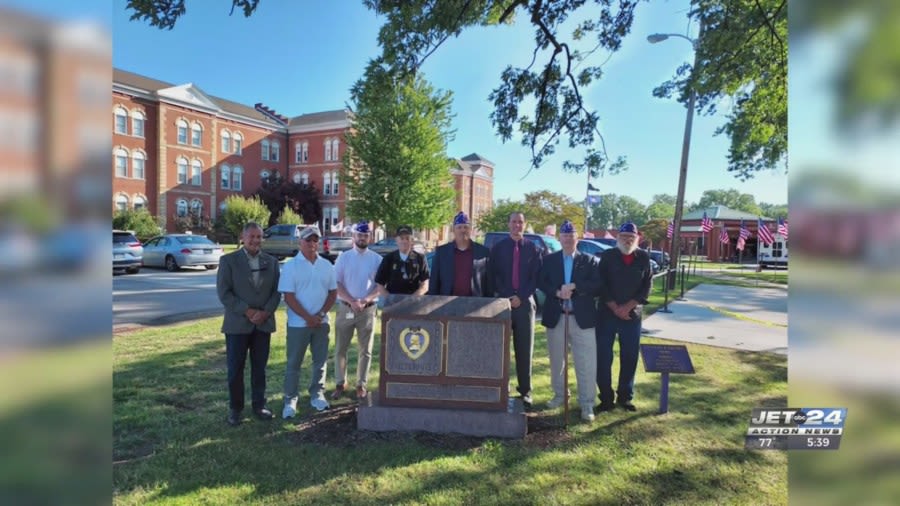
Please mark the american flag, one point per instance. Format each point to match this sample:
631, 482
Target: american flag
706, 224
670, 229
723, 237
742, 236
765, 235
782, 228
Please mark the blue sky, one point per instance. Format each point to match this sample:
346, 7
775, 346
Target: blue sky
300, 57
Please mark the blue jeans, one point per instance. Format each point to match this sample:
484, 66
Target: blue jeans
629, 332
236, 348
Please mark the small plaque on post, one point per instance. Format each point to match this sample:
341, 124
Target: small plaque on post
665, 359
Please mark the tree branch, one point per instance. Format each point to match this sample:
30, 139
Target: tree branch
445, 37
509, 10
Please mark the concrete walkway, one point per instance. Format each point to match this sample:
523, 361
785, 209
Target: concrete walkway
752, 319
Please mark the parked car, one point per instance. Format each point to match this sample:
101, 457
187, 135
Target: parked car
174, 251
546, 244
611, 242
660, 257
591, 247
128, 252
389, 244
338, 245
283, 241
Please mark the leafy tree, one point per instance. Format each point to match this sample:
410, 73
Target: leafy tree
396, 167
614, 210
239, 211
544, 208
144, 225
497, 219
774, 210
731, 198
289, 217
654, 231
278, 194
662, 206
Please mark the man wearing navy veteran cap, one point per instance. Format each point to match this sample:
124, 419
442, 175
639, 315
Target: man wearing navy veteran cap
625, 280
460, 267
403, 271
357, 292
571, 282
516, 263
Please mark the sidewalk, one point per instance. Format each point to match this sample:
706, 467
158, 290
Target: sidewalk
751, 319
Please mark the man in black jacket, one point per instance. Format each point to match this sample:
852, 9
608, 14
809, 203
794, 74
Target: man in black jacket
625, 280
571, 282
460, 267
404, 270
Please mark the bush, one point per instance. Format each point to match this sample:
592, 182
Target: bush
239, 211
144, 224
289, 217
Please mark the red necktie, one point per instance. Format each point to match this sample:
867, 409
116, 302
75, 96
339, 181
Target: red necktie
515, 268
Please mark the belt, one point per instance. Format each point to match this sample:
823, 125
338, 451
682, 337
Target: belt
370, 304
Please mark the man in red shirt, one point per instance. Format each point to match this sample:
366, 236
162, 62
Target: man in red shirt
460, 267
625, 281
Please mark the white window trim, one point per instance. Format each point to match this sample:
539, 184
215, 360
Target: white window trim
179, 124
187, 170
237, 143
196, 127
117, 154
265, 147
275, 154
178, 206
237, 178
196, 164
225, 177
139, 155
326, 185
117, 112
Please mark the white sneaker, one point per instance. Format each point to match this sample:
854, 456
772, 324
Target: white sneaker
587, 413
319, 404
555, 403
290, 409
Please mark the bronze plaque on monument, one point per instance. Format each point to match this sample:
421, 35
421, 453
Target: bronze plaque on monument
445, 352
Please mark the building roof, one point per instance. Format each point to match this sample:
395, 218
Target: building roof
720, 212
320, 117
153, 85
475, 157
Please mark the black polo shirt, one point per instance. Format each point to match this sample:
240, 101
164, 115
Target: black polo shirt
402, 277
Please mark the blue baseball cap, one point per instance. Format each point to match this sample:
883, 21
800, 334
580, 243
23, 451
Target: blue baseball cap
461, 218
361, 227
567, 227
628, 228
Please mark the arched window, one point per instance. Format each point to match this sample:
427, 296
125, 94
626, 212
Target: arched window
276, 151
298, 152
238, 140
237, 178
182, 131
334, 183
182, 170
137, 165
327, 150
196, 170
196, 208
334, 218
140, 203
121, 163
121, 202
265, 149
335, 144
226, 141
304, 178
326, 187
296, 177
305, 151
226, 177
181, 208
121, 116
196, 134
137, 123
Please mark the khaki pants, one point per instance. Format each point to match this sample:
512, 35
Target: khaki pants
583, 344
364, 324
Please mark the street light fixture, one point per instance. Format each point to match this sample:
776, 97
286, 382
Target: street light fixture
685, 150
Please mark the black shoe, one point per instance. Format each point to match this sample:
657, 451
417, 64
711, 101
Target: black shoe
627, 406
234, 417
604, 407
263, 413
526, 401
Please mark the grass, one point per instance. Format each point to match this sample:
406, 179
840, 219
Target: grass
171, 444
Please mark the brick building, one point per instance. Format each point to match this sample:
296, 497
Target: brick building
179, 152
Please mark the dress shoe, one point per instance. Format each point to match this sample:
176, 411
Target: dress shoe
361, 392
234, 417
627, 406
604, 407
263, 413
338, 392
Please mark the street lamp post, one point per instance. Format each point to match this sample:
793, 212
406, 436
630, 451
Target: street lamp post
685, 151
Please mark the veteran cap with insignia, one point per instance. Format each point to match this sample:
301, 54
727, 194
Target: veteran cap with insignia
628, 228
361, 227
461, 218
567, 227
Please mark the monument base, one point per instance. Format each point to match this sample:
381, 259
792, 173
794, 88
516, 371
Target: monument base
511, 423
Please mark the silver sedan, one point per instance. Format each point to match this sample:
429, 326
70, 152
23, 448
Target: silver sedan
174, 251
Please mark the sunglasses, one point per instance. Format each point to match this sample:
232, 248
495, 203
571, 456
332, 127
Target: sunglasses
311, 239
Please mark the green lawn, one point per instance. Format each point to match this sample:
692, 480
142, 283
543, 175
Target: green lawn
171, 443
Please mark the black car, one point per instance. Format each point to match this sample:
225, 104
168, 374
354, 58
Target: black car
660, 257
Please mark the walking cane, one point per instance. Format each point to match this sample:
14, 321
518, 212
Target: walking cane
565, 362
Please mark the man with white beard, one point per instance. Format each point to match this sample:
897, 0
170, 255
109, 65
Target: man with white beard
625, 281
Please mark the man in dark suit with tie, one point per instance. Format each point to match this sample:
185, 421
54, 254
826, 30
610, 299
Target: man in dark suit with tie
247, 286
515, 263
460, 267
571, 282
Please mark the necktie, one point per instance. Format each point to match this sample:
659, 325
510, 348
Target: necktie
515, 268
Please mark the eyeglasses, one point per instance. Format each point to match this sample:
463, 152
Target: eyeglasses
311, 239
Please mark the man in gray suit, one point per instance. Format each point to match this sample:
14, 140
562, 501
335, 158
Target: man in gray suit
247, 285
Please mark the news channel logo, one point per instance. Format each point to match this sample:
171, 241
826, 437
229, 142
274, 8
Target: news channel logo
796, 428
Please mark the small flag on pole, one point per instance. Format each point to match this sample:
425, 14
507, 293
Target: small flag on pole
591, 188
742, 236
670, 229
594, 199
782, 228
706, 224
723, 237
765, 235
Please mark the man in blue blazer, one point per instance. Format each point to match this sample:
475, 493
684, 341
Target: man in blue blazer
571, 282
460, 267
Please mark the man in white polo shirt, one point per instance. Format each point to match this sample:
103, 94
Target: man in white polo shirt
357, 292
310, 288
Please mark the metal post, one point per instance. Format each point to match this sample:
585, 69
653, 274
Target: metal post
681, 297
665, 308
664, 393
